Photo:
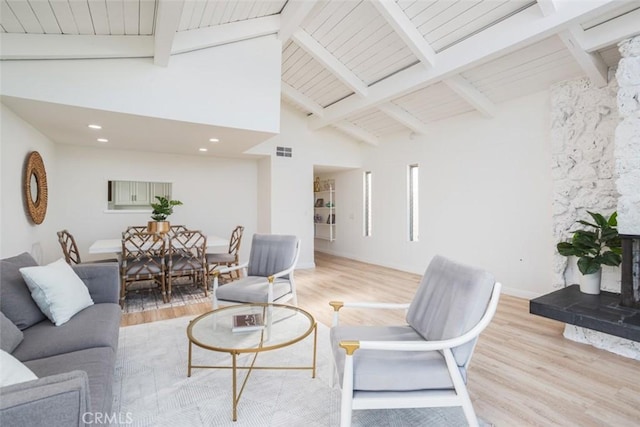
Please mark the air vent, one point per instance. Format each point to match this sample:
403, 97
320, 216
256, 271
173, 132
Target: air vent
283, 151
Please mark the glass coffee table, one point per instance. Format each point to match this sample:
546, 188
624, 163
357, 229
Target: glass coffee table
283, 325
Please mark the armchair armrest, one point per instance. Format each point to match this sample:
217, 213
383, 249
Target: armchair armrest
102, 280
62, 397
337, 305
282, 273
224, 270
351, 346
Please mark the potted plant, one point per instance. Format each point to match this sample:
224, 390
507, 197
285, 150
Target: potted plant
161, 210
595, 246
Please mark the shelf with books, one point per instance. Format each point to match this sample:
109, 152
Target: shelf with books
324, 217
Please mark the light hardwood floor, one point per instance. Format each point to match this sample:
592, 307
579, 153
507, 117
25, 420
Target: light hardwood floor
523, 373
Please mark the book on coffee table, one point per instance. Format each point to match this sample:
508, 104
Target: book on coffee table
247, 322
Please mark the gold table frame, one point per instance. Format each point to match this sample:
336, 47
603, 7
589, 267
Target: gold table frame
260, 340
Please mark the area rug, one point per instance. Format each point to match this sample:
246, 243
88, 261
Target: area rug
151, 387
147, 296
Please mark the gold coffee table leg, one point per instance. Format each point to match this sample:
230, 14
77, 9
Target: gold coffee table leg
235, 386
189, 365
315, 342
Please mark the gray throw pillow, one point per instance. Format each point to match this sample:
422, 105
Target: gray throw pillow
10, 335
15, 298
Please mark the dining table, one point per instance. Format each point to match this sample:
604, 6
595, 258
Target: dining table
110, 246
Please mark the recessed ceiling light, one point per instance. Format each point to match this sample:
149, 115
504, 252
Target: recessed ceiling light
95, 126
103, 140
203, 149
214, 140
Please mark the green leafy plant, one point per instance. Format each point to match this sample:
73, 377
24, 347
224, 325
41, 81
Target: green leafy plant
596, 246
163, 208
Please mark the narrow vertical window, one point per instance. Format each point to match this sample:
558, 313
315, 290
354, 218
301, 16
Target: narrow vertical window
413, 204
367, 203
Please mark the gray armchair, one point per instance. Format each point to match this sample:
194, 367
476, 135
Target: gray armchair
269, 273
423, 363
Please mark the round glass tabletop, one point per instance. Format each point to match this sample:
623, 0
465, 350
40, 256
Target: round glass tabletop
278, 326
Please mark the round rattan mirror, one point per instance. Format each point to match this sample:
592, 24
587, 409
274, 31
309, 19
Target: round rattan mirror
35, 187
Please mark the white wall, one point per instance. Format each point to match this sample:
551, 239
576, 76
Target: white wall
17, 233
292, 178
217, 193
235, 85
485, 197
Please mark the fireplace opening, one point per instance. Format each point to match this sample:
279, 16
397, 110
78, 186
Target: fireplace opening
630, 270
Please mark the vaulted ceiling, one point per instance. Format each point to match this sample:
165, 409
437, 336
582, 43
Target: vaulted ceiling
369, 68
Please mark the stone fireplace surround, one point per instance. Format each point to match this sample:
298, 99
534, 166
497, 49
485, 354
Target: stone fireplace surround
595, 143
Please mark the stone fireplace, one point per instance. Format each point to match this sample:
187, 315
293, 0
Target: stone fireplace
595, 141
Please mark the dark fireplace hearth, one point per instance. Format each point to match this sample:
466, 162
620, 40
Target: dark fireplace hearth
611, 313
630, 270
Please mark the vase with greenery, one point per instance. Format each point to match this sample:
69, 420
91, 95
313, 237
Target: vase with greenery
161, 211
596, 245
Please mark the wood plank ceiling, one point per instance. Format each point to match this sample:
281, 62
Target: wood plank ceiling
369, 67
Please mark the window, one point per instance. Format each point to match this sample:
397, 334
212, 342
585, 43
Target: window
135, 195
413, 204
367, 203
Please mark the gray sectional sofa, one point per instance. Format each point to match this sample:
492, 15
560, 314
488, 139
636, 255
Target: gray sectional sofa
74, 362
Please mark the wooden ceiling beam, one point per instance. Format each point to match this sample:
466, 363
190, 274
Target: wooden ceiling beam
473, 96
516, 32
610, 32
301, 99
337, 68
293, 15
591, 63
548, 7
201, 38
401, 115
357, 132
406, 30
167, 21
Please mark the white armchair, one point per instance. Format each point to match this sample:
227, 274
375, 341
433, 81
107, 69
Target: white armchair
423, 363
268, 276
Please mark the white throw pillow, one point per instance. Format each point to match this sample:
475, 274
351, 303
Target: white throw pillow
57, 290
13, 371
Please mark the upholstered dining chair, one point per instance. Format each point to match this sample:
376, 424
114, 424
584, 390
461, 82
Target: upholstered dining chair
425, 362
187, 257
269, 273
70, 249
143, 258
230, 258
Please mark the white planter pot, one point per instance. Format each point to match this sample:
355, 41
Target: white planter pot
590, 283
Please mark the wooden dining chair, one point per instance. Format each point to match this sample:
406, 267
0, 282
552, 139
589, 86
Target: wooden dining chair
134, 229
70, 249
230, 258
143, 258
175, 229
187, 257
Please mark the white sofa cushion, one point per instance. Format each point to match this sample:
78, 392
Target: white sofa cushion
57, 290
12, 371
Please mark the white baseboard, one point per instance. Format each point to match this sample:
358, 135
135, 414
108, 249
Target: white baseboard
305, 265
